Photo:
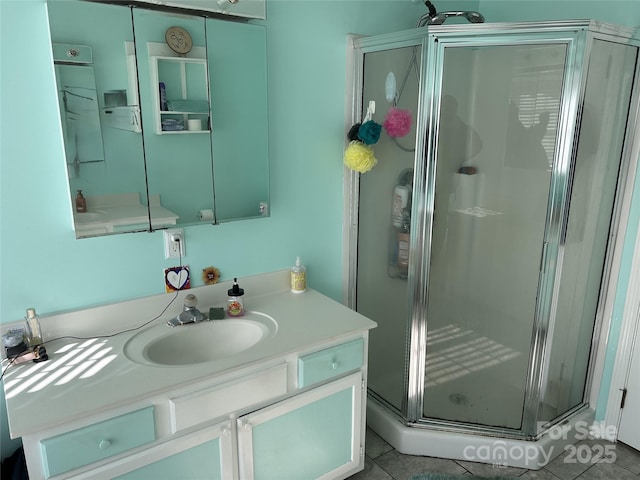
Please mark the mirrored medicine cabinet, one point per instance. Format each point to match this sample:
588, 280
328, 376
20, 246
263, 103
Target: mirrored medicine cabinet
155, 138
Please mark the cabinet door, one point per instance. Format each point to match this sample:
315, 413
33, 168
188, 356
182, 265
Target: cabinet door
316, 434
207, 453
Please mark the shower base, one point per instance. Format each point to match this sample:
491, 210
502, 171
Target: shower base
421, 440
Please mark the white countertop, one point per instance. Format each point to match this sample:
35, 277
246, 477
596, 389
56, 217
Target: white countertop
38, 397
106, 213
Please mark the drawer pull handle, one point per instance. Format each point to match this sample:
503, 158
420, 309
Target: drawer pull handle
104, 444
335, 364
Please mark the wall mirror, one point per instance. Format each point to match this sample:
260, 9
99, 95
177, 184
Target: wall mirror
157, 136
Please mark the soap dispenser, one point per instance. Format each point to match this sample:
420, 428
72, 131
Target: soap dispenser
298, 277
235, 306
81, 203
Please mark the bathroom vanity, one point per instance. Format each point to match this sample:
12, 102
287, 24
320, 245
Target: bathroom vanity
287, 403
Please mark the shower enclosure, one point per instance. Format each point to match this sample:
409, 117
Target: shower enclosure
508, 186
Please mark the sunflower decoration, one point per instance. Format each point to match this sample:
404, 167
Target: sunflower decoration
359, 155
210, 275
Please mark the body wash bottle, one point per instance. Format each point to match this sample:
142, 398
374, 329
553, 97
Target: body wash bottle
298, 277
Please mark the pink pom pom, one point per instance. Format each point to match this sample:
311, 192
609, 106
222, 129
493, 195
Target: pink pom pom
398, 122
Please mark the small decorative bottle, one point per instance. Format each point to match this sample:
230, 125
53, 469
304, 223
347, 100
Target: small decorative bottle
34, 333
81, 202
34, 336
298, 277
235, 306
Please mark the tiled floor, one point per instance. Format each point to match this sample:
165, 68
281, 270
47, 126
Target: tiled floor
382, 462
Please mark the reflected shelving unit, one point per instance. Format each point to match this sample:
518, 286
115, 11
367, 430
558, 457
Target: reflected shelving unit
186, 91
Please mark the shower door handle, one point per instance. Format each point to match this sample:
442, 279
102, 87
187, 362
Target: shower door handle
543, 257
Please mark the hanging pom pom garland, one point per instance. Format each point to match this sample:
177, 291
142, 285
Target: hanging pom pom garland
353, 132
398, 122
359, 157
369, 132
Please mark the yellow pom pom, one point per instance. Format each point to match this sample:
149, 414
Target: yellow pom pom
359, 157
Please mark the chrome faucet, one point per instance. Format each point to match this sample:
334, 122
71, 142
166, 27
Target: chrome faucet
189, 314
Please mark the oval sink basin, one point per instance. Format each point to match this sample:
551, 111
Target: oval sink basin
201, 342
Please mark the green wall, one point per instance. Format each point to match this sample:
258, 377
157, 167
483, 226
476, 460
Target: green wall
42, 263
621, 12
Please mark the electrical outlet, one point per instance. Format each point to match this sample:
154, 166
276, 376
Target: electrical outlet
174, 243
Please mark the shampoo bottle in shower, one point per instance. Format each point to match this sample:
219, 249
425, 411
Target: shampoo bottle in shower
403, 246
298, 277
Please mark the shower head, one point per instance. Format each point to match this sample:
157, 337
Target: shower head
434, 18
440, 18
474, 17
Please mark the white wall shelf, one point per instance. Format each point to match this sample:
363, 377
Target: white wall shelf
186, 83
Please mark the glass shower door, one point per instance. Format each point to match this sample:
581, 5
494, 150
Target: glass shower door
607, 100
498, 113
382, 287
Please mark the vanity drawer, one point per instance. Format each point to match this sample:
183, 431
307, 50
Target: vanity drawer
98, 441
331, 362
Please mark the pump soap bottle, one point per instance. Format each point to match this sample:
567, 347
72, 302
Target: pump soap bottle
235, 306
298, 277
81, 203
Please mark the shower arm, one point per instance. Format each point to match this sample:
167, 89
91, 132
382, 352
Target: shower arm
432, 17
440, 18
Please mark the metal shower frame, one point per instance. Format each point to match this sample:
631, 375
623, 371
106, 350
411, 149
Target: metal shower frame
432, 41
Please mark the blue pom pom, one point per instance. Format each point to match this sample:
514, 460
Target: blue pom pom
369, 132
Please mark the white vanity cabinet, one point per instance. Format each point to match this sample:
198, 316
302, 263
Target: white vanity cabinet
300, 416
291, 406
